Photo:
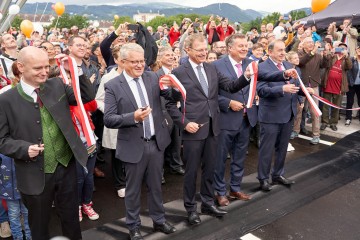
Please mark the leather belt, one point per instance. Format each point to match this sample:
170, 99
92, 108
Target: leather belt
149, 139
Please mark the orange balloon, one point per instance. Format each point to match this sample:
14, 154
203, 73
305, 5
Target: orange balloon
59, 8
319, 5
26, 27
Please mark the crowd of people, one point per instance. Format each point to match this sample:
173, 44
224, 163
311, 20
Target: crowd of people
129, 100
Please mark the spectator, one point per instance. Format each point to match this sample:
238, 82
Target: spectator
258, 53
174, 34
269, 28
212, 34
224, 29
335, 85
354, 85
315, 36
220, 48
8, 53
347, 35
211, 56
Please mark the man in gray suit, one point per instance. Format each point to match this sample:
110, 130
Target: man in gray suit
132, 105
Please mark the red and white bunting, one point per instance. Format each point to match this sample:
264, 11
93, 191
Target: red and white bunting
327, 102
84, 120
253, 67
313, 105
178, 85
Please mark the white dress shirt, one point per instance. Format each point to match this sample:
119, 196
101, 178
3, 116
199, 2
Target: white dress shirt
134, 90
28, 90
194, 66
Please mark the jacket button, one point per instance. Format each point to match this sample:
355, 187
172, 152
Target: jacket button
38, 122
41, 169
36, 105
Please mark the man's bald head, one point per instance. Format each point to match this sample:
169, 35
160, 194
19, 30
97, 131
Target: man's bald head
31, 53
33, 63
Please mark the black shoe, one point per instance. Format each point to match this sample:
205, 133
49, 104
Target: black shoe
304, 131
212, 210
193, 218
282, 180
265, 185
323, 126
166, 228
179, 171
333, 127
135, 234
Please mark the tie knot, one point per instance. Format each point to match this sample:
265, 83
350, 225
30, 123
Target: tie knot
136, 79
199, 67
37, 90
238, 65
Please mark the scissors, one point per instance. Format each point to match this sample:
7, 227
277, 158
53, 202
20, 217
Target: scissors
202, 124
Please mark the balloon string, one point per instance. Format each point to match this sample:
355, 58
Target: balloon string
37, 4
57, 22
44, 11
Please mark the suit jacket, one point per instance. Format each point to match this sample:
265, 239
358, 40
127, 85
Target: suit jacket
275, 106
198, 105
120, 105
160, 73
229, 119
20, 127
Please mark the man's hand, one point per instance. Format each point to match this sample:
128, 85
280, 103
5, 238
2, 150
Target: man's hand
141, 114
192, 127
290, 88
121, 28
247, 73
235, 105
310, 90
167, 82
92, 78
35, 150
290, 73
265, 57
64, 60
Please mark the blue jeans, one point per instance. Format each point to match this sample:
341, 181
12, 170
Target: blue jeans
15, 209
3, 214
85, 180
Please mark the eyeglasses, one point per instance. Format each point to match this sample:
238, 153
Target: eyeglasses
221, 47
80, 45
200, 50
135, 63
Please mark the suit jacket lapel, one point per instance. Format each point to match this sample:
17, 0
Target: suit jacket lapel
124, 84
147, 83
230, 68
189, 70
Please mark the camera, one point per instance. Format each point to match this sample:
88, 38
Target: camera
133, 27
286, 17
339, 50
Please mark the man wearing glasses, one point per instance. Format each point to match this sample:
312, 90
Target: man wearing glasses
132, 105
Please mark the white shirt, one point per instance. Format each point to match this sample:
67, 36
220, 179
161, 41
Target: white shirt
135, 92
276, 64
28, 90
233, 63
194, 66
166, 70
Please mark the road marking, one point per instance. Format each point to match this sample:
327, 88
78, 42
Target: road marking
249, 236
321, 141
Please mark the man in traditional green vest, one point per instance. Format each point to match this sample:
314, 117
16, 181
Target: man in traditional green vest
37, 131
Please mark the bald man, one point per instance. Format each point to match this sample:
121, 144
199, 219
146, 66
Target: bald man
37, 131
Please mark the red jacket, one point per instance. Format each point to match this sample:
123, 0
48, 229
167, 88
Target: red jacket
75, 111
210, 32
173, 35
222, 34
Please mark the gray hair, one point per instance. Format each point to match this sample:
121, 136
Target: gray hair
130, 47
272, 44
231, 39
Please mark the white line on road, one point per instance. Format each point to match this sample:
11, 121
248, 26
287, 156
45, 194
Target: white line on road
249, 236
321, 141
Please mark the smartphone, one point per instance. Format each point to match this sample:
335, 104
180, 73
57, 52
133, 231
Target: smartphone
286, 17
320, 49
133, 27
249, 33
144, 108
287, 25
196, 24
339, 50
303, 22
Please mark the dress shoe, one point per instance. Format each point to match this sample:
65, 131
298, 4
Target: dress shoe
193, 218
282, 180
222, 200
135, 234
98, 173
265, 186
239, 196
166, 228
333, 127
212, 210
179, 171
323, 126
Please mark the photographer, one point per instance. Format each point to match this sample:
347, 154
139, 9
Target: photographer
224, 29
211, 32
347, 35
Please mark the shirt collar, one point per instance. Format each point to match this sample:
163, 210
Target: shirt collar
194, 65
233, 62
28, 89
166, 70
128, 77
276, 64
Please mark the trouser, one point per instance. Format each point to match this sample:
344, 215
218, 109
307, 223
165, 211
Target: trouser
118, 171
334, 118
16, 208
350, 96
85, 180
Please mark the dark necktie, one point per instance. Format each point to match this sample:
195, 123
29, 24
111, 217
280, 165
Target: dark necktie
202, 80
38, 100
280, 67
146, 122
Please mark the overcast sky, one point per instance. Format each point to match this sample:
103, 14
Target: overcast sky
259, 5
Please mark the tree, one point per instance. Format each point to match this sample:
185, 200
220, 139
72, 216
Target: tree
122, 19
169, 21
67, 21
298, 15
16, 22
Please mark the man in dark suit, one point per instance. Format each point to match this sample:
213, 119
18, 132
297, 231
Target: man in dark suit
235, 121
132, 105
172, 153
36, 130
201, 123
277, 109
